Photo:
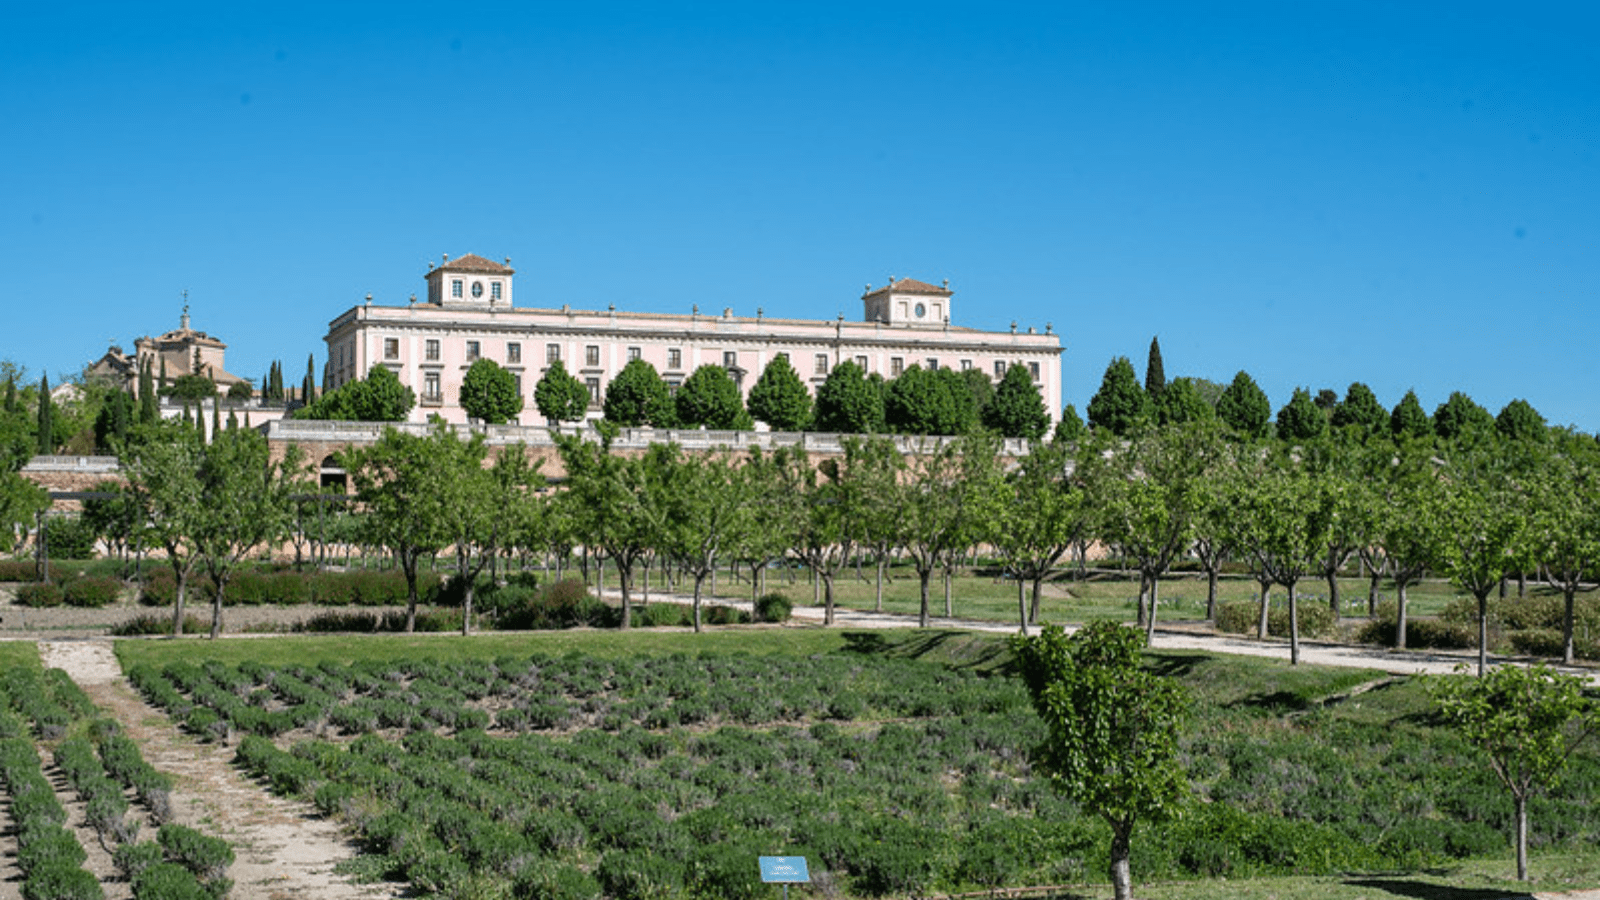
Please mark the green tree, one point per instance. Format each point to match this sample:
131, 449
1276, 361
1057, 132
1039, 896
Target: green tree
396, 480
638, 396
164, 479
1484, 533
480, 504
947, 498
705, 510
980, 388
826, 529
1300, 419
847, 403
46, 426
1155, 374
1244, 407
1180, 403
1283, 521
779, 398
1460, 417
560, 396
1529, 721
308, 385
244, 504
1408, 420
149, 410
616, 505
489, 393
1564, 533
1113, 730
710, 399
1519, 421
380, 397
1120, 406
1017, 410
1071, 428
192, 388
112, 424
240, 391
920, 402
1361, 411
1040, 516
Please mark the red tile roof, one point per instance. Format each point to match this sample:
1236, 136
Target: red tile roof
472, 262
910, 286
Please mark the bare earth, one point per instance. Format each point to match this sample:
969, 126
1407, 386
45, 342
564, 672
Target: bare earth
285, 850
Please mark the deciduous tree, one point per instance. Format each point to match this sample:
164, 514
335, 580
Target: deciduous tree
1244, 407
638, 396
1361, 411
847, 403
1460, 417
779, 398
710, 399
1300, 419
1113, 729
489, 393
560, 396
1409, 420
1519, 421
397, 487
1017, 410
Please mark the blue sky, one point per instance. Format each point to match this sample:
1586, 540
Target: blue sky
1316, 193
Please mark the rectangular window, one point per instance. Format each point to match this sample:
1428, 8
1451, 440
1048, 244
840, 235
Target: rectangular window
591, 355
672, 386
431, 350
513, 353
966, 364
933, 364
896, 366
516, 379
391, 348
455, 287
861, 361
494, 290
552, 353
1033, 369
822, 364
633, 353
593, 384
430, 386
730, 359
474, 350
999, 368
674, 358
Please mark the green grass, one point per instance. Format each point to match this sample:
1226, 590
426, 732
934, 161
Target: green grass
15, 654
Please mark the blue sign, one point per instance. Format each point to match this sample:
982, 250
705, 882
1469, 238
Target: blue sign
785, 869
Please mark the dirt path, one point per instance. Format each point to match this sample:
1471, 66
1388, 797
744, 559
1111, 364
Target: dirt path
285, 851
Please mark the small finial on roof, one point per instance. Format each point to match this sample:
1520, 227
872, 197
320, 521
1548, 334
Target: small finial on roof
508, 261
947, 284
446, 256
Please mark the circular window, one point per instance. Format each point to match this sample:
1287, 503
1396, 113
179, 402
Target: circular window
921, 310
477, 289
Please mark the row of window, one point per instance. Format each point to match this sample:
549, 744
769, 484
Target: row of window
457, 289
730, 358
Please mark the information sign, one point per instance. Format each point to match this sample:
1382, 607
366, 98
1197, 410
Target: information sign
784, 869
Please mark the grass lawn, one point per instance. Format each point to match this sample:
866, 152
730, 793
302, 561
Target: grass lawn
19, 654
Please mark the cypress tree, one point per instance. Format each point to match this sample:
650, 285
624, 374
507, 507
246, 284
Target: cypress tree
148, 410
233, 420
47, 418
308, 389
1155, 376
11, 395
163, 371
216, 417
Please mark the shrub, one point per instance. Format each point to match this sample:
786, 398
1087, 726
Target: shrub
555, 881
773, 608
59, 881
40, 595
1316, 619
565, 604
92, 592
662, 615
157, 624
168, 881
1421, 633
207, 857
18, 570
631, 875
71, 538
46, 844
1548, 642
133, 859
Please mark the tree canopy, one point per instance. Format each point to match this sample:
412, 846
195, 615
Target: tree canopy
489, 393
638, 396
779, 398
710, 399
380, 397
1301, 419
560, 396
1120, 405
849, 403
1017, 410
1244, 407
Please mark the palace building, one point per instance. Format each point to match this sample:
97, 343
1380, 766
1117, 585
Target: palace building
469, 314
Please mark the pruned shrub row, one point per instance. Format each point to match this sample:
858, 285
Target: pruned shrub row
1315, 618
249, 588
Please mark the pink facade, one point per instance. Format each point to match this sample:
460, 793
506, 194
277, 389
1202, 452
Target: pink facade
430, 345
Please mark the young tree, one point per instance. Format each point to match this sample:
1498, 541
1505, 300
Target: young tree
1285, 525
1483, 534
489, 393
1244, 407
1408, 420
308, 385
847, 403
1040, 516
480, 504
1360, 410
1155, 374
1017, 410
710, 399
245, 504
779, 398
945, 497
1071, 428
1113, 729
826, 530
616, 506
1120, 405
164, 479
46, 426
560, 396
638, 396
1565, 534
1300, 420
705, 509
1529, 721
397, 487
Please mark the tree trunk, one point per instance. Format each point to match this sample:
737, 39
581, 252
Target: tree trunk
1333, 593
827, 590
1266, 596
697, 579
1522, 837
1022, 608
924, 575
409, 566
216, 608
1211, 593
1033, 607
1121, 852
1483, 633
1150, 625
878, 605
1143, 614
1400, 614
627, 608
1566, 624
177, 607
1294, 626
949, 611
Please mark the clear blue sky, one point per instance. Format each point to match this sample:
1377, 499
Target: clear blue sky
1402, 194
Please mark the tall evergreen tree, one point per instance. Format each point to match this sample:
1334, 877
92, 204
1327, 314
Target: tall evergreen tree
1071, 428
1461, 416
1300, 419
47, 418
1155, 375
1017, 410
308, 387
1519, 421
1408, 418
1360, 410
779, 398
163, 379
11, 395
216, 417
149, 410
1245, 408
1120, 404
